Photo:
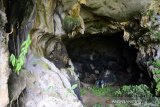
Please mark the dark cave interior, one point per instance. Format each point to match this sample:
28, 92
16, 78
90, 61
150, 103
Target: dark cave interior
105, 60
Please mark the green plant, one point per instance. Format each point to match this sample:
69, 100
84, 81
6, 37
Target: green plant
152, 22
153, 26
140, 94
97, 105
122, 105
101, 91
135, 92
156, 63
70, 24
71, 90
155, 33
82, 91
74, 86
157, 74
18, 63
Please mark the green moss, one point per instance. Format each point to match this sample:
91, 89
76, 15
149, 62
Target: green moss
70, 23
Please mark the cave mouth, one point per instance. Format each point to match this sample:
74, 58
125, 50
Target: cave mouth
105, 60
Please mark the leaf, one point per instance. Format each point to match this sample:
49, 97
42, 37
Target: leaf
21, 60
27, 45
18, 68
24, 52
13, 62
24, 44
23, 49
13, 59
156, 71
29, 42
74, 86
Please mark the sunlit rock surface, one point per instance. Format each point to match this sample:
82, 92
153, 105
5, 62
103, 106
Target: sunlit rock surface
47, 86
4, 68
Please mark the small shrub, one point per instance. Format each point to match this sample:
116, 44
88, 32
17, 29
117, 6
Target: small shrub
135, 92
157, 74
153, 26
139, 93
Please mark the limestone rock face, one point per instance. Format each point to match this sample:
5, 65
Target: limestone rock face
145, 37
4, 68
118, 10
100, 15
47, 86
42, 83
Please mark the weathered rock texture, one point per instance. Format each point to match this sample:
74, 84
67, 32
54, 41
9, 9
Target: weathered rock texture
118, 10
47, 86
144, 34
103, 16
44, 19
4, 68
42, 83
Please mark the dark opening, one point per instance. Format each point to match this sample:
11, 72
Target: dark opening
105, 60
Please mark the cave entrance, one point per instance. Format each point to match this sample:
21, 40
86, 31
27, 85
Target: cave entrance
105, 60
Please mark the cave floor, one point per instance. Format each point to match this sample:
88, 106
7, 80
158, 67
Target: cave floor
99, 97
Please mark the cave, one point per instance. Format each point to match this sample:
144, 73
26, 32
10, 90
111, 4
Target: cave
108, 44
105, 60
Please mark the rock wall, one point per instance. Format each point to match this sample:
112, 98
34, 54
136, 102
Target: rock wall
47, 86
144, 34
104, 16
41, 83
4, 68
